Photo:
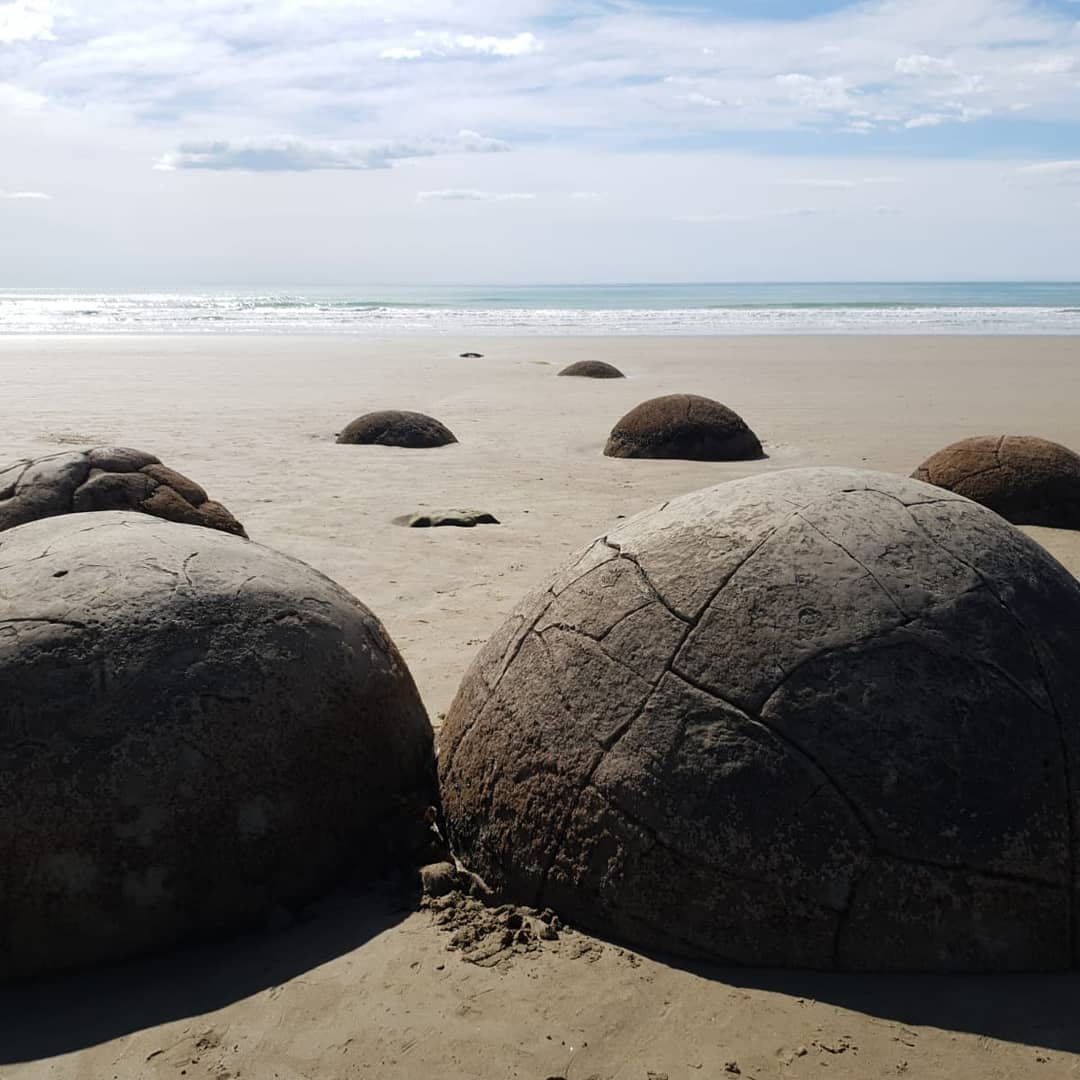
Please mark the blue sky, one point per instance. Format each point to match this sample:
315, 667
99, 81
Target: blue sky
442, 140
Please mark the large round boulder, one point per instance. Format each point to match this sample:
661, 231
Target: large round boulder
683, 426
823, 718
1027, 480
395, 427
194, 730
106, 478
593, 369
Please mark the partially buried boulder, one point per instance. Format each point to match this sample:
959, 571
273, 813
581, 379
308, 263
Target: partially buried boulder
825, 718
683, 426
196, 731
106, 478
593, 369
462, 518
395, 427
1027, 480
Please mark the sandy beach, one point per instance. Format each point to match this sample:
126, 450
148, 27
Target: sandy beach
364, 987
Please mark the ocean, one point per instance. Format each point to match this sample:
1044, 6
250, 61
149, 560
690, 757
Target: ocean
793, 308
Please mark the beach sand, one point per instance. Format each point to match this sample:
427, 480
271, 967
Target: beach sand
366, 988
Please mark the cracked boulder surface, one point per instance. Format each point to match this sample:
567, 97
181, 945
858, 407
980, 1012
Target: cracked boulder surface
106, 478
593, 369
194, 730
1027, 480
683, 426
395, 427
823, 718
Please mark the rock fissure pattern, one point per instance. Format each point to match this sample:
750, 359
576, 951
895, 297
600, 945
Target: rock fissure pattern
854, 755
106, 478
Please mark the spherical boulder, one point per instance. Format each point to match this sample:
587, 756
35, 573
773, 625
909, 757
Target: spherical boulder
194, 730
683, 426
824, 718
106, 478
394, 427
593, 369
1027, 480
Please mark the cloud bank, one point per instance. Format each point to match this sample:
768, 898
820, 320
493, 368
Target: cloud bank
300, 155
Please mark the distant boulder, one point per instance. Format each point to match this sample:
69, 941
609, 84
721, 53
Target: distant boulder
106, 478
593, 369
683, 426
395, 427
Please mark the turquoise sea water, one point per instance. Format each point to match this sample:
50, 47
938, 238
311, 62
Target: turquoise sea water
867, 307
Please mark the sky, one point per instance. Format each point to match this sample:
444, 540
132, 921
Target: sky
307, 142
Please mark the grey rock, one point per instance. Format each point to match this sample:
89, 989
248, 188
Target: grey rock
105, 478
824, 718
194, 730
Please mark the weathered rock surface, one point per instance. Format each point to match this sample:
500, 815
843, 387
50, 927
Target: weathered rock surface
194, 730
394, 427
593, 369
106, 478
462, 518
1026, 480
824, 718
683, 426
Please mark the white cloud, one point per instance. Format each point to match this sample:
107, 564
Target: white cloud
523, 44
24, 195
927, 120
924, 65
25, 20
1054, 170
715, 219
17, 99
472, 195
300, 155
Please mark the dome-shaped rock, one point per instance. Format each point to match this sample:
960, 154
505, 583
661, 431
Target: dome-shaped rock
395, 427
106, 478
195, 730
1027, 480
823, 718
593, 369
683, 426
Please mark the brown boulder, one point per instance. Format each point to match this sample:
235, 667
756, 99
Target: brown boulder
397, 427
683, 426
593, 369
105, 478
1027, 480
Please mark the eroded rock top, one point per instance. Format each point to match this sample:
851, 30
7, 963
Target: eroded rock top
106, 478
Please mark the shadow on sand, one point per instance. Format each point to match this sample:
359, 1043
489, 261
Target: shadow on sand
44, 1017
1038, 1009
